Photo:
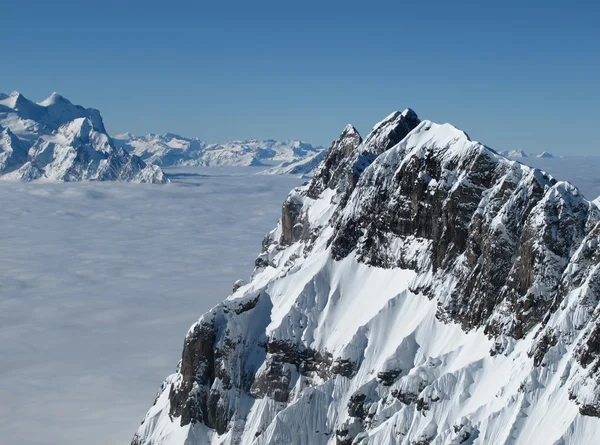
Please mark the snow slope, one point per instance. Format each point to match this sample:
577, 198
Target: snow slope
421, 289
57, 140
171, 149
304, 167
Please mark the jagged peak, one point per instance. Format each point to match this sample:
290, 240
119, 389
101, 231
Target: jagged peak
390, 131
407, 113
390, 117
349, 155
333, 169
350, 129
349, 132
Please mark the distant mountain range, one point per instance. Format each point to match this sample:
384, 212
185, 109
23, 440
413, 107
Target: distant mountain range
171, 150
522, 154
57, 140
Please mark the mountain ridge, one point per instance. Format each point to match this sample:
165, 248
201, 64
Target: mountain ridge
420, 289
170, 149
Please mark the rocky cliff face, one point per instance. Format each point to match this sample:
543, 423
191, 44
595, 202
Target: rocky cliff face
421, 289
57, 140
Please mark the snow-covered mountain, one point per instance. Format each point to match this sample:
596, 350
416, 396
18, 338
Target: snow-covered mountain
304, 167
57, 140
522, 154
545, 154
420, 289
514, 154
171, 149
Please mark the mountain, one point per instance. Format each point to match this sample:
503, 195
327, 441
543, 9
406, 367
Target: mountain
545, 154
522, 154
420, 289
304, 167
171, 149
57, 140
514, 154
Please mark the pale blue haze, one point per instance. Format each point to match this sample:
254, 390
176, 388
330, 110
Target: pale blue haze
514, 75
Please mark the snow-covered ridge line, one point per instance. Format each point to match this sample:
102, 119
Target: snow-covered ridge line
421, 289
171, 149
522, 154
57, 140
305, 168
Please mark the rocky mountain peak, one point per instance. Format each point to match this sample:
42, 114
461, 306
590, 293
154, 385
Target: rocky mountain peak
333, 167
389, 132
349, 155
438, 293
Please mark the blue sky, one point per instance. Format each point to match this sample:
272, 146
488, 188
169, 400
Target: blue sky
513, 76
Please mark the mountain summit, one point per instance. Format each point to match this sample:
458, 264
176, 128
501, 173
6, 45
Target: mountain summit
57, 140
421, 289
